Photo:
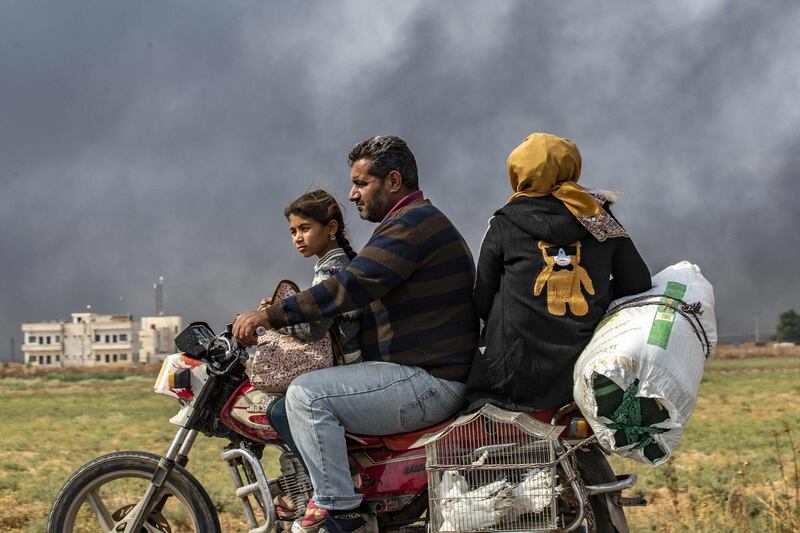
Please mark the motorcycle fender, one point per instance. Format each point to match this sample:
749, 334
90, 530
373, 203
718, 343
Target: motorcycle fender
595, 470
182, 416
616, 513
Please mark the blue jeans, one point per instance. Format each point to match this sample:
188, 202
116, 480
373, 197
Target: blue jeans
370, 398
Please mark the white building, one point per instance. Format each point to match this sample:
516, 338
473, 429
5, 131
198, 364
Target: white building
90, 339
157, 337
43, 343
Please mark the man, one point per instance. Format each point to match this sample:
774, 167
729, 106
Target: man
416, 275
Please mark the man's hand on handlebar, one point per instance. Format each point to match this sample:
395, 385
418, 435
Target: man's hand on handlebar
245, 325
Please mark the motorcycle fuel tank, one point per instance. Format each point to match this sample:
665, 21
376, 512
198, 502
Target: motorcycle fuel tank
245, 412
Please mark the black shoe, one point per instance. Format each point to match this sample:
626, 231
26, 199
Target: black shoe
344, 522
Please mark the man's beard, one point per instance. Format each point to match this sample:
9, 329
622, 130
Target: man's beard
376, 211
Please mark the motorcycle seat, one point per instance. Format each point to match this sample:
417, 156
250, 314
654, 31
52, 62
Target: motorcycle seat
400, 441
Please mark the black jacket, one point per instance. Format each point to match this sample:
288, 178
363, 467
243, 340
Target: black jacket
543, 284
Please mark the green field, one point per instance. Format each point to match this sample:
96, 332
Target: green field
735, 469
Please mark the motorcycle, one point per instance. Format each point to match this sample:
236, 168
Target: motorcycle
135, 491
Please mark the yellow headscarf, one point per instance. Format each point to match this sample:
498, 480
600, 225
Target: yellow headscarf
545, 164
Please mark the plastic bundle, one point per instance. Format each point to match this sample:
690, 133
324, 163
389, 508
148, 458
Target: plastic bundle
636, 381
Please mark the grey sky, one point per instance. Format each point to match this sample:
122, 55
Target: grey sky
152, 138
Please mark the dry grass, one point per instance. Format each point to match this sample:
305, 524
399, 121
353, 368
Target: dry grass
748, 504
750, 351
15, 514
735, 469
115, 371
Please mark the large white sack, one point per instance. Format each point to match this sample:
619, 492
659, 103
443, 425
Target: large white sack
656, 345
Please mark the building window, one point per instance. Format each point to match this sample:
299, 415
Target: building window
41, 359
108, 339
108, 359
114, 357
41, 340
123, 337
49, 360
32, 359
123, 357
97, 338
31, 340
58, 338
48, 339
58, 359
97, 357
115, 338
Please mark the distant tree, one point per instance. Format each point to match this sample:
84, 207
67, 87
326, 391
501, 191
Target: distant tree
788, 329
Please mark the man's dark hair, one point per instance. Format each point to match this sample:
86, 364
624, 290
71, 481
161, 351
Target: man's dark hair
386, 153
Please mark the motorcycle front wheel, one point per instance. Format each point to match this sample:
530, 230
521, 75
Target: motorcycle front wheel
101, 493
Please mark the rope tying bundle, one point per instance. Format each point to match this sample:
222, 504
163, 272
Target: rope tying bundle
689, 311
628, 418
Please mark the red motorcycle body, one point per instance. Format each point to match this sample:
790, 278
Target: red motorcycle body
390, 473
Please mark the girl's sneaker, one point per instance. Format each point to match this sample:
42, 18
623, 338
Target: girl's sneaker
313, 518
284, 508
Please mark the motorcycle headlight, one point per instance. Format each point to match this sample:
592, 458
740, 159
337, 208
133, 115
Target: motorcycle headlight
180, 379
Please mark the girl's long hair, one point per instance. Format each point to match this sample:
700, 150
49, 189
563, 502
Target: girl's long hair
321, 206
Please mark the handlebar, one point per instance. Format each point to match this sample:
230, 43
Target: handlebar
224, 352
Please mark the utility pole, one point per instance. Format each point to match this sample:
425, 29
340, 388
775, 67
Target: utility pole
758, 336
159, 288
13, 355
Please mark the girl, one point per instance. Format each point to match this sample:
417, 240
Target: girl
317, 229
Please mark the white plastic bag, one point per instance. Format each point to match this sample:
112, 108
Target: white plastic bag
648, 342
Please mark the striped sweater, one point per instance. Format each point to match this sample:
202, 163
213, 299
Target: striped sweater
416, 275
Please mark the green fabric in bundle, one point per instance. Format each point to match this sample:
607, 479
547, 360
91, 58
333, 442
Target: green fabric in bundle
632, 416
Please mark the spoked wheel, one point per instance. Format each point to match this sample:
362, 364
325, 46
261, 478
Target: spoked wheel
101, 495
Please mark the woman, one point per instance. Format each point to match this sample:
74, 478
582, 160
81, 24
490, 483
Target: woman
316, 226
550, 263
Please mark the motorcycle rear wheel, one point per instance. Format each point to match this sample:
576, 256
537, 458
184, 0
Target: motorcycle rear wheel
119, 479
